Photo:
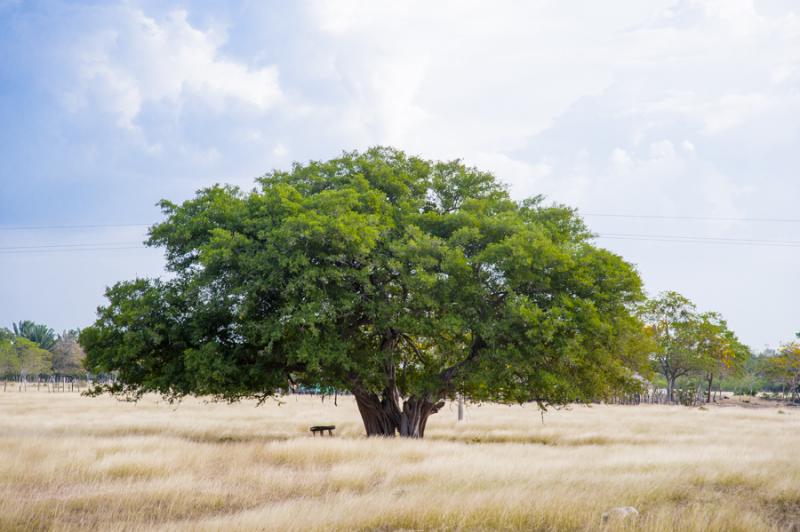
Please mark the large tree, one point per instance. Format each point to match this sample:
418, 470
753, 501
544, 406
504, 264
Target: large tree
402, 280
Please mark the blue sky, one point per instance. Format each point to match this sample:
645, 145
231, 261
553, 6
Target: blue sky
677, 108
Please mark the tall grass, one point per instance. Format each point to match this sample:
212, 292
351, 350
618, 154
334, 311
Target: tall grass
74, 463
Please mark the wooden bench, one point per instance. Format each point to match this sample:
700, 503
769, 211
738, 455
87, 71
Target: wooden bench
321, 429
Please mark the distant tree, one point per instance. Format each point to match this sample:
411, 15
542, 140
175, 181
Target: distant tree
672, 321
755, 375
68, 355
785, 367
403, 280
18, 355
33, 359
9, 361
36, 332
720, 352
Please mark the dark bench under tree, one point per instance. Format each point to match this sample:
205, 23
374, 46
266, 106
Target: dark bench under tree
322, 428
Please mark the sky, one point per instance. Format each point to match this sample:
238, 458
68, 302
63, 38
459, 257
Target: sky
671, 125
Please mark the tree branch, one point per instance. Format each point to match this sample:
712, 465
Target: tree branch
448, 374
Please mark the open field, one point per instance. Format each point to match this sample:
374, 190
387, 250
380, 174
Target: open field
74, 463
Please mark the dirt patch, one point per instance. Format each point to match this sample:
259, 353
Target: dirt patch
746, 401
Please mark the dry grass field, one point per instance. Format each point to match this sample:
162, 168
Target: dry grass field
73, 463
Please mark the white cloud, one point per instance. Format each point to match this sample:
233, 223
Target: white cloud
733, 110
620, 157
280, 150
663, 149
455, 78
526, 177
133, 59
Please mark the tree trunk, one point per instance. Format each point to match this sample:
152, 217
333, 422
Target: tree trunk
415, 416
384, 417
708, 393
460, 407
389, 414
670, 389
378, 421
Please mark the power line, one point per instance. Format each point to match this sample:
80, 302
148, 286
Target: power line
696, 218
700, 240
62, 250
707, 238
45, 246
678, 239
85, 226
588, 214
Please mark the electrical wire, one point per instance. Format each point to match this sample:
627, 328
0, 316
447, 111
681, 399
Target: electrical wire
69, 250
85, 226
700, 240
679, 239
44, 246
588, 214
705, 238
694, 218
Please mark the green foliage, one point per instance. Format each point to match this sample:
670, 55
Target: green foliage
9, 361
378, 273
18, 355
690, 345
754, 376
671, 320
721, 352
36, 332
784, 368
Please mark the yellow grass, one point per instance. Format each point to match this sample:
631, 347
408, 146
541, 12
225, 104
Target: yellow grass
74, 463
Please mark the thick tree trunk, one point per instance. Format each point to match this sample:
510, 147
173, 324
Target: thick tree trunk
415, 416
384, 417
391, 412
377, 417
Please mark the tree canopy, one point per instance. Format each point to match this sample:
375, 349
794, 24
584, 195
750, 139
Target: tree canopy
19, 355
687, 343
402, 280
38, 333
784, 367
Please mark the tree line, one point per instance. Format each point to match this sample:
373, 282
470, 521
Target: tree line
692, 351
34, 350
689, 348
